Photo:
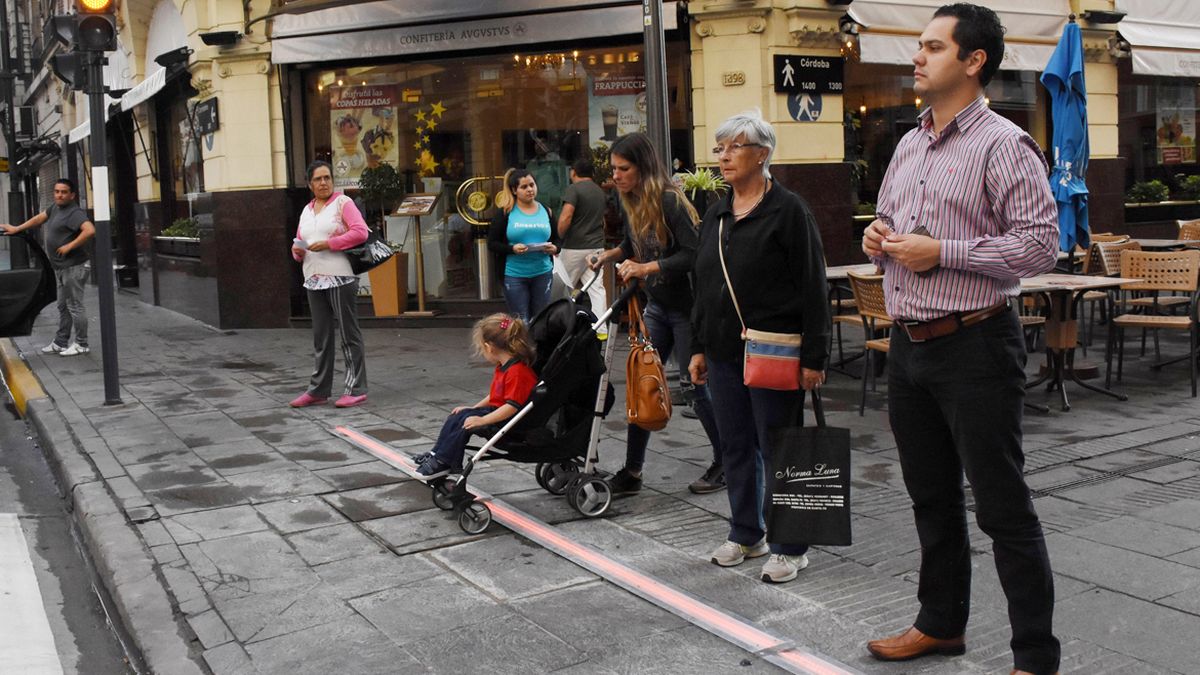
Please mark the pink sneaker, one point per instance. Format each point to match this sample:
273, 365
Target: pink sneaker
306, 399
349, 401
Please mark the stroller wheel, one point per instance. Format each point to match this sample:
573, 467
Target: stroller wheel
441, 495
556, 477
591, 496
475, 518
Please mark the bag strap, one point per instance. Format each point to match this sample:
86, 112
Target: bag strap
637, 328
725, 271
818, 407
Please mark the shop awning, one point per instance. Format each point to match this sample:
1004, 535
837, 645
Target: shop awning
507, 31
1164, 36
891, 27
145, 89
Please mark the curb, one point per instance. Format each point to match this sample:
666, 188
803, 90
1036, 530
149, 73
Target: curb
162, 639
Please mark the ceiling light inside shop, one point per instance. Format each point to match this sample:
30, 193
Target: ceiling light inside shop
862, 109
340, 83
918, 101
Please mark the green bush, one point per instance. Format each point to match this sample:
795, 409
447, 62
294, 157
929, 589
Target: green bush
183, 227
1189, 186
1148, 191
864, 209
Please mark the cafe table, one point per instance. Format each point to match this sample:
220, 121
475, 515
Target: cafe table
1167, 244
1062, 293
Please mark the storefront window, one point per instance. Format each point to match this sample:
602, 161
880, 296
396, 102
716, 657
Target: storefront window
881, 106
186, 159
448, 120
1157, 136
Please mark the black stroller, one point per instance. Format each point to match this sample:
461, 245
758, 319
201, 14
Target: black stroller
559, 427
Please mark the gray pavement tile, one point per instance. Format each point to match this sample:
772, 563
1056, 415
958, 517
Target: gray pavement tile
1141, 535
172, 501
502, 478
514, 645
1184, 513
188, 528
345, 645
421, 531
1190, 558
1139, 575
178, 471
510, 566
298, 514
1159, 636
182, 582
273, 484
231, 447
186, 404
166, 554
154, 533
685, 650
324, 454
595, 616
381, 501
368, 574
263, 616
210, 629
1060, 476
1170, 473
335, 542
1187, 601
252, 462
361, 475
1122, 459
1061, 515
428, 608
229, 659
247, 564
206, 428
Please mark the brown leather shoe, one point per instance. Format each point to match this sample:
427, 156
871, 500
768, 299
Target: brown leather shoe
913, 644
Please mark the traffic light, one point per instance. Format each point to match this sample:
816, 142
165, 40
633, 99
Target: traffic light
96, 26
71, 68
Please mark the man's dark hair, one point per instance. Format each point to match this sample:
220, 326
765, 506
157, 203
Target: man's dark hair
583, 168
69, 183
977, 28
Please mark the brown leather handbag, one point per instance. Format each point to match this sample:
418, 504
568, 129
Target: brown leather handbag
647, 399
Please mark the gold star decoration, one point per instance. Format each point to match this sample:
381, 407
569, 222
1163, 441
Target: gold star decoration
427, 162
420, 115
417, 145
437, 109
431, 124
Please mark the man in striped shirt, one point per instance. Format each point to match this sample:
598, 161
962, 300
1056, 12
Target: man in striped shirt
964, 211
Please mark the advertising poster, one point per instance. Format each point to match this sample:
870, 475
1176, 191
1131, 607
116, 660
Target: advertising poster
1175, 124
362, 124
616, 106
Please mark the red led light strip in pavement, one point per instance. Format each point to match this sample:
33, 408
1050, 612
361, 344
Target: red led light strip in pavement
681, 603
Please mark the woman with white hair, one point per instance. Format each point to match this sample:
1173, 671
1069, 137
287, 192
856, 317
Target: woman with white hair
776, 267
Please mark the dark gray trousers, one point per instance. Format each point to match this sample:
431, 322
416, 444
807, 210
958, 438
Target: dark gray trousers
71, 312
334, 315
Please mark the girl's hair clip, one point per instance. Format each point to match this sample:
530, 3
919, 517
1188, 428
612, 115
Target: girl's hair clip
505, 323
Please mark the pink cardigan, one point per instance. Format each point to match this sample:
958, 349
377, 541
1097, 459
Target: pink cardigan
353, 231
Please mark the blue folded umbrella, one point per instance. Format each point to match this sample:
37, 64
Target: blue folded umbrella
1063, 78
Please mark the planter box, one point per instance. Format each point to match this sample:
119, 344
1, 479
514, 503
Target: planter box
389, 286
186, 247
1160, 211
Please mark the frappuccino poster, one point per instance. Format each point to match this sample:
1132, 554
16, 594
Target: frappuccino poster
616, 106
363, 131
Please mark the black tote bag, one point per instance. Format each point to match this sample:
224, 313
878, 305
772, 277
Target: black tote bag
370, 254
809, 484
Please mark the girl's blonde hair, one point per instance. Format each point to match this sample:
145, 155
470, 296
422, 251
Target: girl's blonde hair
644, 206
504, 332
507, 198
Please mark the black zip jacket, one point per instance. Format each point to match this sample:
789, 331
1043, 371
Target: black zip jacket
672, 286
777, 267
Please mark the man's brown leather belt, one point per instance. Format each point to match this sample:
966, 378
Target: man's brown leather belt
920, 331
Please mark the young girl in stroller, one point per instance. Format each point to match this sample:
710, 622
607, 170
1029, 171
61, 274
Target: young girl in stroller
503, 341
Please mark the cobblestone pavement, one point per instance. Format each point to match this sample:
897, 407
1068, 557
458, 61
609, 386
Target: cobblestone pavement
284, 549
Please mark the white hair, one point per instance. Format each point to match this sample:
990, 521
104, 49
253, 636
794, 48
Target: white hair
754, 128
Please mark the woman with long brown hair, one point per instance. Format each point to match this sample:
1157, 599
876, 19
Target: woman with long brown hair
659, 248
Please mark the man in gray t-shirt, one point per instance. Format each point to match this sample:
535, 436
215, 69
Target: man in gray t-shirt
67, 230
581, 226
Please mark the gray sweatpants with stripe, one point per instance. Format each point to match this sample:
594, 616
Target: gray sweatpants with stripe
334, 315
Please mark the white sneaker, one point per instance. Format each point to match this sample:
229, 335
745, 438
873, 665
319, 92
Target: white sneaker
781, 568
52, 348
732, 553
74, 350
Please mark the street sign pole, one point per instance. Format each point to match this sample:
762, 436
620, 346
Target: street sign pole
657, 123
99, 199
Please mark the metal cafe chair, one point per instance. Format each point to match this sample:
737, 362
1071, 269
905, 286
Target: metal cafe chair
868, 295
1103, 259
1174, 271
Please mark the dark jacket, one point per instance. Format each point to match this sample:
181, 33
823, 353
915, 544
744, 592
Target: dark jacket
777, 267
672, 286
498, 233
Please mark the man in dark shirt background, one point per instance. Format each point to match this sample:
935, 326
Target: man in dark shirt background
67, 230
581, 226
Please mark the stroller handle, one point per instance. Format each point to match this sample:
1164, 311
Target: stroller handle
626, 294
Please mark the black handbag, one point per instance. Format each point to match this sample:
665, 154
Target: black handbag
370, 254
809, 484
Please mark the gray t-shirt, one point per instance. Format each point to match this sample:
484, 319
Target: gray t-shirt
63, 224
587, 223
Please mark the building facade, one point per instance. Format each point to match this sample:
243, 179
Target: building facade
224, 104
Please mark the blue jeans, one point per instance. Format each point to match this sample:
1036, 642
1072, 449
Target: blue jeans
747, 452
526, 296
451, 442
670, 330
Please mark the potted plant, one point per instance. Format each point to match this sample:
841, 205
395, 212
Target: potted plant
1189, 187
1146, 192
181, 238
703, 186
381, 188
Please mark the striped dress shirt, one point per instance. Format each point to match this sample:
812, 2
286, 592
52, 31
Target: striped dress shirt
982, 188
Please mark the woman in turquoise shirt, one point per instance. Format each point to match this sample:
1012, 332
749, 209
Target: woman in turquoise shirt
521, 233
